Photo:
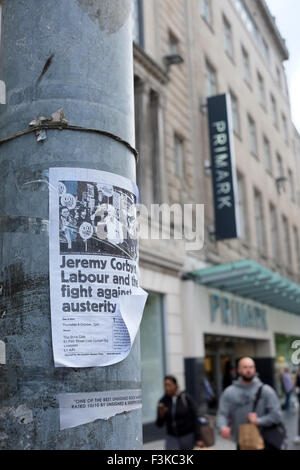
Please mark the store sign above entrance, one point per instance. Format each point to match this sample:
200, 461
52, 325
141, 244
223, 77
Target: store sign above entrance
237, 313
223, 167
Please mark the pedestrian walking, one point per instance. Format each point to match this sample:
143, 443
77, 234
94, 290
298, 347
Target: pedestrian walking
288, 387
178, 412
297, 390
249, 401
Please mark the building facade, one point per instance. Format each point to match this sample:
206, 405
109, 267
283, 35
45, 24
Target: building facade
235, 297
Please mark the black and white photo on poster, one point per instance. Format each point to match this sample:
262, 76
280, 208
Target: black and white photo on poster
97, 218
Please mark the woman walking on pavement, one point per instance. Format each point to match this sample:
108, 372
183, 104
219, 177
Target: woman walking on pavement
179, 412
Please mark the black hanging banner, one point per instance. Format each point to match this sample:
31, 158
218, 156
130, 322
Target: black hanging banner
223, 167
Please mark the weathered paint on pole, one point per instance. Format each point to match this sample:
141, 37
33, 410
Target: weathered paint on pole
75, 55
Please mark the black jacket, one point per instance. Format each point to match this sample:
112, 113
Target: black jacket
298, 383
186, 418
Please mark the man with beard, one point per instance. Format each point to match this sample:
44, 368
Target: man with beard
237, 401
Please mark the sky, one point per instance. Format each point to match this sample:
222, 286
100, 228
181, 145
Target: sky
287, 14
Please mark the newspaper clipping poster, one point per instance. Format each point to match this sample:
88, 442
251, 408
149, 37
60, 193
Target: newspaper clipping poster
96, 301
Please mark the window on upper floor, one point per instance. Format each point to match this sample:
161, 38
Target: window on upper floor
206, 11
235, 114
280, 171
261, 90
210, 80
297, 248
267, 154
242, 205
252, 136
259, 222
291, 185
137, 22
278, 77
147, 138
246, 66
228, 42
173, 44
285, 128
179, 155
274, 111
265, 49
274, 233
286, 241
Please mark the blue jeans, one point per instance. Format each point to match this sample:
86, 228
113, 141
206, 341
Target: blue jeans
286, 405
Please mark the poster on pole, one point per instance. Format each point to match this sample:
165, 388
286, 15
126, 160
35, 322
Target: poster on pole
82, 408
96, 301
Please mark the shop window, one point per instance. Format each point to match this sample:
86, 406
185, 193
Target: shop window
152, 356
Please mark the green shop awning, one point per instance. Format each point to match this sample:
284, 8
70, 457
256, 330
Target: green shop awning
249, 279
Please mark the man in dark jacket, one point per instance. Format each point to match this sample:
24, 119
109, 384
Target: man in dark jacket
179, 412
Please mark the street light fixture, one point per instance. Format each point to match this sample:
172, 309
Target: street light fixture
172, 59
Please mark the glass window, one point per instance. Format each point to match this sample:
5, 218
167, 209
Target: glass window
286, 241
173, 44
291, 185
265, 49
261, 89
267, 154
179, 155
297, 248
235, 114
252, 136
211, 80
154, 134
137, 22
246, 66
274, 111
280, 171
274, 233
259, 221
285, 128
206, 11
152, 355
228, 37
242, 206
278, 76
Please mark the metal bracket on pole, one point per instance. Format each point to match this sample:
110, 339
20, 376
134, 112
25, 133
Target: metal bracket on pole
43, 124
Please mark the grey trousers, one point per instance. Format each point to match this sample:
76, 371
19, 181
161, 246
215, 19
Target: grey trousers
186, 442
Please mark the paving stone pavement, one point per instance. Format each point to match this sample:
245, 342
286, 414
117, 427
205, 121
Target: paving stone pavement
290, 419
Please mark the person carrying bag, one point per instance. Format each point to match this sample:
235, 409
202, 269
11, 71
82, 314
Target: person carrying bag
250, 412
268, 437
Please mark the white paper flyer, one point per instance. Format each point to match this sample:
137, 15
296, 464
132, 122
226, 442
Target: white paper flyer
96, 301
81, 408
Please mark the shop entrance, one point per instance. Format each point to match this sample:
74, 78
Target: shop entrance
221, 356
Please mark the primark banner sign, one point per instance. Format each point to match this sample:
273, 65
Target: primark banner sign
223, 167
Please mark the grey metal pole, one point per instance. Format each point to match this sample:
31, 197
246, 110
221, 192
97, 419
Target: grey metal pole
75, 55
